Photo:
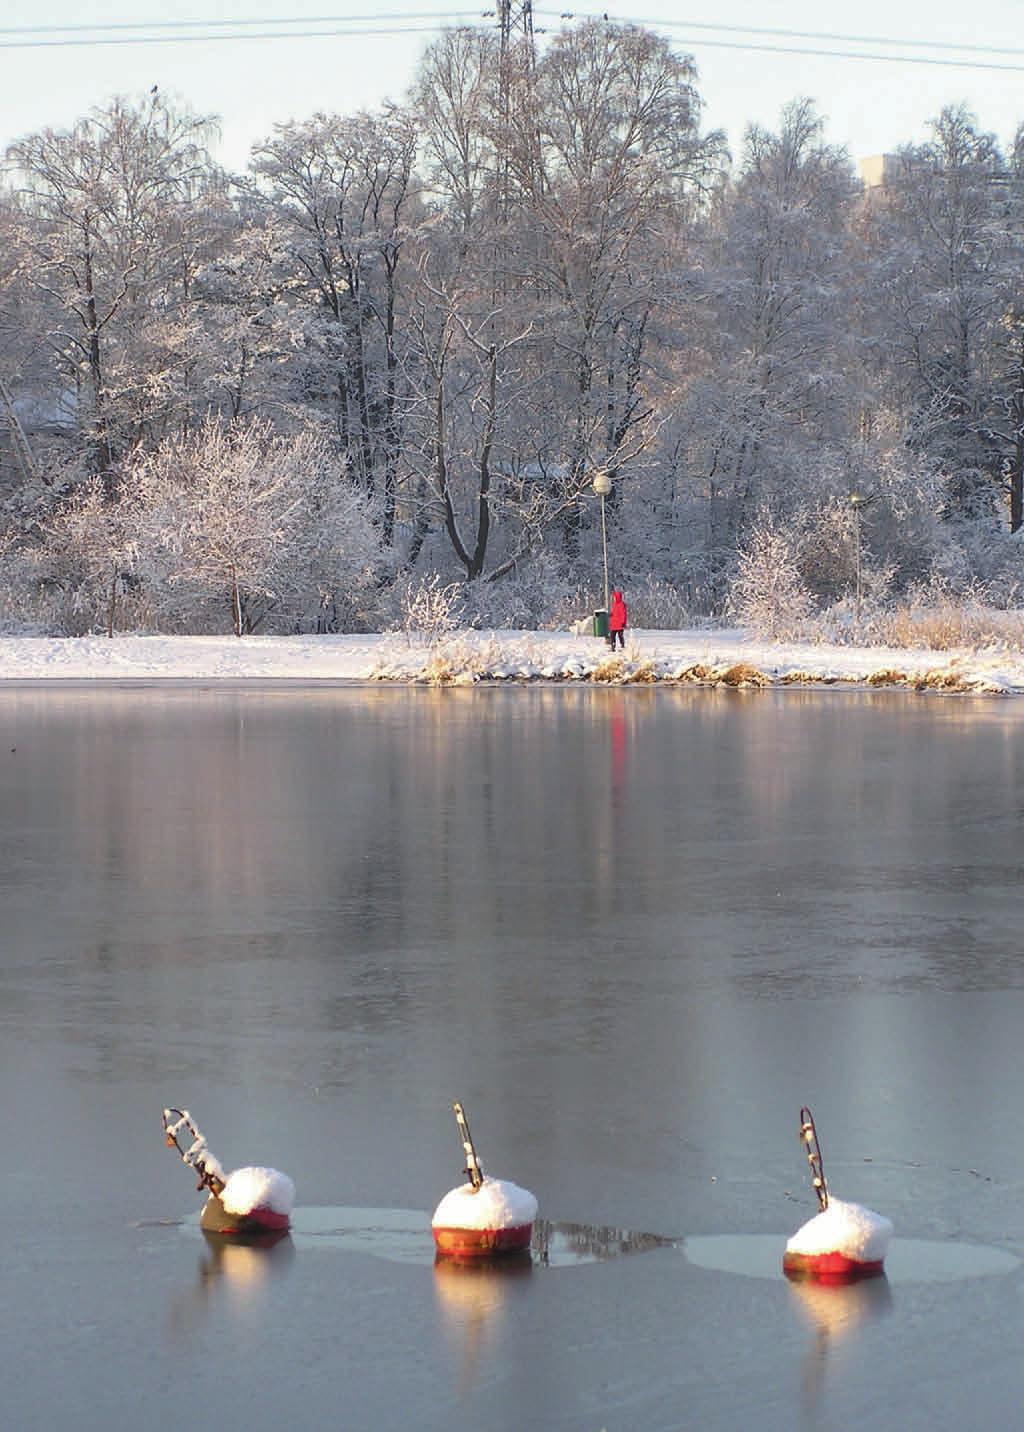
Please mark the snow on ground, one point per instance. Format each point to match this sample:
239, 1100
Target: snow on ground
498, 1203
704, 656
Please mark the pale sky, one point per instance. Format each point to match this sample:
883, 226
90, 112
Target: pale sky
870, 106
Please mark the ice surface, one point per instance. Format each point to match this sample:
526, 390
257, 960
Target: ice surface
844, 1228
249, 1188
496, 1204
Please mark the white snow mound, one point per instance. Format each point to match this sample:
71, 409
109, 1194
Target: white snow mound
250, 1188
844, 1228
496, 1204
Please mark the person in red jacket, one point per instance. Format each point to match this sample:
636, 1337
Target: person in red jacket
617, 621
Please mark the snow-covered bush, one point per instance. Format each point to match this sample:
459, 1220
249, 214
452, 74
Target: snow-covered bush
428, 607
236, 522
541, 594
767, 592
941, 620
979, 562
657, 605
77, 574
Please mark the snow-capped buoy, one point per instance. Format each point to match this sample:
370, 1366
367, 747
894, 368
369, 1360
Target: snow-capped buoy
486, 1216
845, 1240
244, 1202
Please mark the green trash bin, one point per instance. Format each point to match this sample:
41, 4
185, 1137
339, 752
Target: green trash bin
601, 624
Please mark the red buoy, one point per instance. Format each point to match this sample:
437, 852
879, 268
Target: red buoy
845, 1241
486, 1217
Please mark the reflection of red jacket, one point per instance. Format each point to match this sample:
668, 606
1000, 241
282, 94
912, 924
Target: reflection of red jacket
617, 615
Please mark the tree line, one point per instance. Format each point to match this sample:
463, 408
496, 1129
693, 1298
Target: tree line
398, 349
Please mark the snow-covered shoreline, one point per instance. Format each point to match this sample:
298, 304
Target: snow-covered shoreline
698, 656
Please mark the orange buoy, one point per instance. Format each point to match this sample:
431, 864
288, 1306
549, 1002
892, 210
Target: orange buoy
486, 1217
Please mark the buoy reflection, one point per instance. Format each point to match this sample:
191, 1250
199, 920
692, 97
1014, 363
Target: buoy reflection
234, 1273
472, 1294
834, 1310
246, 1258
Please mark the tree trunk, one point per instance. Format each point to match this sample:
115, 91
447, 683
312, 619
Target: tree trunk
483, 526
112, 604
1017, 461
99, 443
236, 603
390, 403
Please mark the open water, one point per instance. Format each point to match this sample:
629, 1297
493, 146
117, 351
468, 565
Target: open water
633, 931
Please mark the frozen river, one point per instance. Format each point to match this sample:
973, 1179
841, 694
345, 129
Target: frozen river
633, 931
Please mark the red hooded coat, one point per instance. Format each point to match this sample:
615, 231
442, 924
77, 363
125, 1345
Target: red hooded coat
617, 615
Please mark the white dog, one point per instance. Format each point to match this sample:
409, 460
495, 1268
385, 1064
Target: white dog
584, 627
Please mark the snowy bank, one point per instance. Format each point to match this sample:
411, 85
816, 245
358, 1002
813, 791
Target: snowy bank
700, 656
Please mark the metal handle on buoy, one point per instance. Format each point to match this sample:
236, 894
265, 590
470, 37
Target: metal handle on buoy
197, 1154
473, 1169
809, 1139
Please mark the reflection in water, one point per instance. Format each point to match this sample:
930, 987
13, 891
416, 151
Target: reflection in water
834, 1311
472, 1294
234, 1274
557, 1244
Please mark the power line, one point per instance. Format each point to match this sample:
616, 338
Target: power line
194, 26
202, 32
237, 23
796, 34
203, 39
859, 55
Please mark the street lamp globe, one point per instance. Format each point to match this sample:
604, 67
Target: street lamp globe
602, 484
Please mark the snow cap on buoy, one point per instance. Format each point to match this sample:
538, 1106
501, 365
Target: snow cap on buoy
497, 1203
247, 1189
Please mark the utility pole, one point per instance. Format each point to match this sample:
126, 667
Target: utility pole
515, 22
515, 19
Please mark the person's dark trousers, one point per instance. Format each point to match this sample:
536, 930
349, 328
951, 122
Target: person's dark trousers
621, 636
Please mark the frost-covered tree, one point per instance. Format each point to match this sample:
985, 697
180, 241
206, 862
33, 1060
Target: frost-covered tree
347, 194
103, 207
941, 237
456, 97
774, 397
609, 161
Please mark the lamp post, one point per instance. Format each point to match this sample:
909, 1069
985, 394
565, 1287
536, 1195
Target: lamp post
602, 486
